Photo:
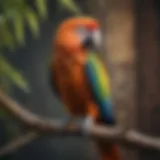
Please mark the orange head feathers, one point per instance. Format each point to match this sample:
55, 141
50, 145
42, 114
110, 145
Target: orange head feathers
77, 34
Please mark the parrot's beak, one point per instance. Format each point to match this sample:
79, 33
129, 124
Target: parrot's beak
97, 38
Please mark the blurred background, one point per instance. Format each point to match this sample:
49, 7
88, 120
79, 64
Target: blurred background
130, 49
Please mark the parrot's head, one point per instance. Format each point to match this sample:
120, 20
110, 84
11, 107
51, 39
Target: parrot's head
78, 34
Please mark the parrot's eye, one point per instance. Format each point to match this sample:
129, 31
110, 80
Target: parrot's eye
82, 33
85, 36
89, 38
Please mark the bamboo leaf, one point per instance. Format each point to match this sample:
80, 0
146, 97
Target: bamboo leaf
70, 5
6, 38
4, 83
41, 7
32, 21
19, 29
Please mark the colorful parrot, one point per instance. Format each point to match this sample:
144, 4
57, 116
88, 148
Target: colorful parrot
79, 79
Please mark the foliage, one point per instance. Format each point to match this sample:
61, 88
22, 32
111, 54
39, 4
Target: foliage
70, 5
15, 15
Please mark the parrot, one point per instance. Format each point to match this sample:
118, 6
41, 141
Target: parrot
80, 79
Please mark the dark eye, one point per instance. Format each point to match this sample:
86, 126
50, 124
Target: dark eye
82, 33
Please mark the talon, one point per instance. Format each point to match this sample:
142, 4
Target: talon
87, 125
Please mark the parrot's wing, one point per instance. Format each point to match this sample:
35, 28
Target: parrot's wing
99, 83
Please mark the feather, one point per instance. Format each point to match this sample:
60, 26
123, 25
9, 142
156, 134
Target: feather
99, 83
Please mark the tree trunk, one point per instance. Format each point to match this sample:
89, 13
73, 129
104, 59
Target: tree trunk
119, 43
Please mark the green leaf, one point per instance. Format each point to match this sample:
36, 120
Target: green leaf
13, 74
32, 21
42, 8
6, 38
71, 5
4, 83
19, 28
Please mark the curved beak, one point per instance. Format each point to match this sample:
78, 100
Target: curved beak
97, 38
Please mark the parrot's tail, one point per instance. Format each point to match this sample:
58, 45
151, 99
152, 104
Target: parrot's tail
109, 152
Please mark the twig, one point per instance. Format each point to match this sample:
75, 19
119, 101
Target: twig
114, 134
18, 142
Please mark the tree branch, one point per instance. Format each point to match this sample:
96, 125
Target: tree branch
49, 126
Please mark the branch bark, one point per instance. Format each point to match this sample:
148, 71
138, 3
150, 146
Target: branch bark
43, 126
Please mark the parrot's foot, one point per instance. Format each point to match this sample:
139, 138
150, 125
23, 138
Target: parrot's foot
87, 125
